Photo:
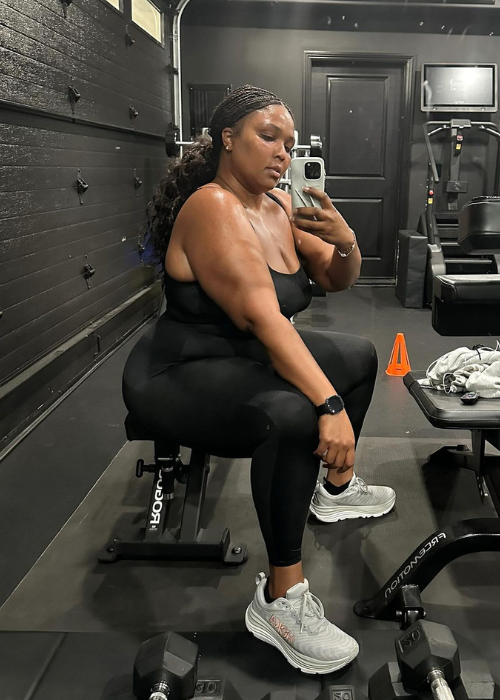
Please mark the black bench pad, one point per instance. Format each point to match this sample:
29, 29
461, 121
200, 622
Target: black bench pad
466, 289
447, 411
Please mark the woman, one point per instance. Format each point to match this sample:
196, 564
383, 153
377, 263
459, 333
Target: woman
229, 372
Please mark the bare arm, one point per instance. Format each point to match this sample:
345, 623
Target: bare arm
321, 263
227, 259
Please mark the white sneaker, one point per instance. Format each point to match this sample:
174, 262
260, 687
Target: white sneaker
296, 625
357, 501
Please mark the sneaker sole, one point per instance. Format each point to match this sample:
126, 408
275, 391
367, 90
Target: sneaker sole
329, 514
263, 631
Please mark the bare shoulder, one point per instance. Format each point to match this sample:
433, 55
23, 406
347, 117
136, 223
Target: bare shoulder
284, 198
211, 203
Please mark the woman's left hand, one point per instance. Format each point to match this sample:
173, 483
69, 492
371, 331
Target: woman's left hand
329, 225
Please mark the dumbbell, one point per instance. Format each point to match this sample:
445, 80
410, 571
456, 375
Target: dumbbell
428, 655
428, 660
165, 668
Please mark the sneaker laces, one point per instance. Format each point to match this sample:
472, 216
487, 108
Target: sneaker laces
309, 607
361, 485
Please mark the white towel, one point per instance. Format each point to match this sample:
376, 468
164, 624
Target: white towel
466, 369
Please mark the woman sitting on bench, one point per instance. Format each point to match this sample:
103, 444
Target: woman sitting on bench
229, 369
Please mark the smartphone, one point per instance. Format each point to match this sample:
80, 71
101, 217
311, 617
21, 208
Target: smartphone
306, 172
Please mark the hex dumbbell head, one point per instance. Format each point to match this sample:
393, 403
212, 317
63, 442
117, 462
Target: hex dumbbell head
385, 684
425, 646
167, 658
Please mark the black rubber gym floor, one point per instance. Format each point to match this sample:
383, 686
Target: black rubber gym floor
64, 489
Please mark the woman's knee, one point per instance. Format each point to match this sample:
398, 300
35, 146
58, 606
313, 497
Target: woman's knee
367, 356
293, 416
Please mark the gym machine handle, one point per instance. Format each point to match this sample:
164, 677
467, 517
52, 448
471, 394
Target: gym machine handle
439, 687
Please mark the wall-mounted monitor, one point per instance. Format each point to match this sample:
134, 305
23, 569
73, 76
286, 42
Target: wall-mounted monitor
459, 87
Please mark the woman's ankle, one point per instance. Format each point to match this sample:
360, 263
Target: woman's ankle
282, 578
337, 479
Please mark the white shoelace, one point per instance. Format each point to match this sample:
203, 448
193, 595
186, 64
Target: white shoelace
361, 485
310, 606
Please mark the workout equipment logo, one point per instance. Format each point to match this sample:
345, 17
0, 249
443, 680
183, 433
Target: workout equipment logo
409, 566
157, 506
281, 629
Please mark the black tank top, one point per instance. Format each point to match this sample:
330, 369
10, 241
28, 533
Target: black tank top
188, 303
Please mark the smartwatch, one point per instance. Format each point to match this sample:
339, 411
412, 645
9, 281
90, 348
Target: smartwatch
333, 404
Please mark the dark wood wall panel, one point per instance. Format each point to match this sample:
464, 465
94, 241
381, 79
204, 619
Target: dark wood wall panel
51, 307
55, 136
39, 75
93, 46
34, 340
16, 203
126, 84
44, 87
52, 277
14, 178
50, 256
14, 90
47, 232
27, 225
105, 16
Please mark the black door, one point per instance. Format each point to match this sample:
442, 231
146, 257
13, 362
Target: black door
360, 107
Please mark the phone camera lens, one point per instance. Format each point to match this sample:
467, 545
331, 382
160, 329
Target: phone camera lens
312, 171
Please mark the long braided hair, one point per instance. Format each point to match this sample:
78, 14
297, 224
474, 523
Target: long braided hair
199, 164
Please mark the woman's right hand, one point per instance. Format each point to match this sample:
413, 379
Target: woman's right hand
336, 441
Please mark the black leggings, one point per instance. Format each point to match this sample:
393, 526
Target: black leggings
237, 406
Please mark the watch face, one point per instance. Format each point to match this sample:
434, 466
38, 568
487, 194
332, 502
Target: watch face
335, 403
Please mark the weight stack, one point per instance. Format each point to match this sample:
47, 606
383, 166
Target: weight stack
411, 261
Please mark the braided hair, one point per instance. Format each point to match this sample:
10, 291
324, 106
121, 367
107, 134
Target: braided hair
199, 164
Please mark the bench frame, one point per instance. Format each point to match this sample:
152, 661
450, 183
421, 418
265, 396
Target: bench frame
190, 541
486, 467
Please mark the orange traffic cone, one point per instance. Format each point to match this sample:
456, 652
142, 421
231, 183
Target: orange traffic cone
399, 368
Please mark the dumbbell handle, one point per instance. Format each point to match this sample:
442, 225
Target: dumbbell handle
160, 691
439, 687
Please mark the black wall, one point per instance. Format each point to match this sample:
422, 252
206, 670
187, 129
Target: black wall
263, 43
55, 324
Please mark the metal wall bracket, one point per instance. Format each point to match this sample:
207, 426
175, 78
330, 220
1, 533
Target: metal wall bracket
128, 38
66, 4
137, 182
81, 185
172, 9
88, 272
73, 95
133, 112
99, 343
172, 70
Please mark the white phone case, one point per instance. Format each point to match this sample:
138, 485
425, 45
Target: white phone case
299, 180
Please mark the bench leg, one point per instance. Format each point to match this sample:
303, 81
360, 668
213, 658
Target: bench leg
486, 467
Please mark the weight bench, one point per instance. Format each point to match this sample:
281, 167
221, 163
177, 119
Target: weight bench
483, 420
463, 305
468, 305
158, 538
